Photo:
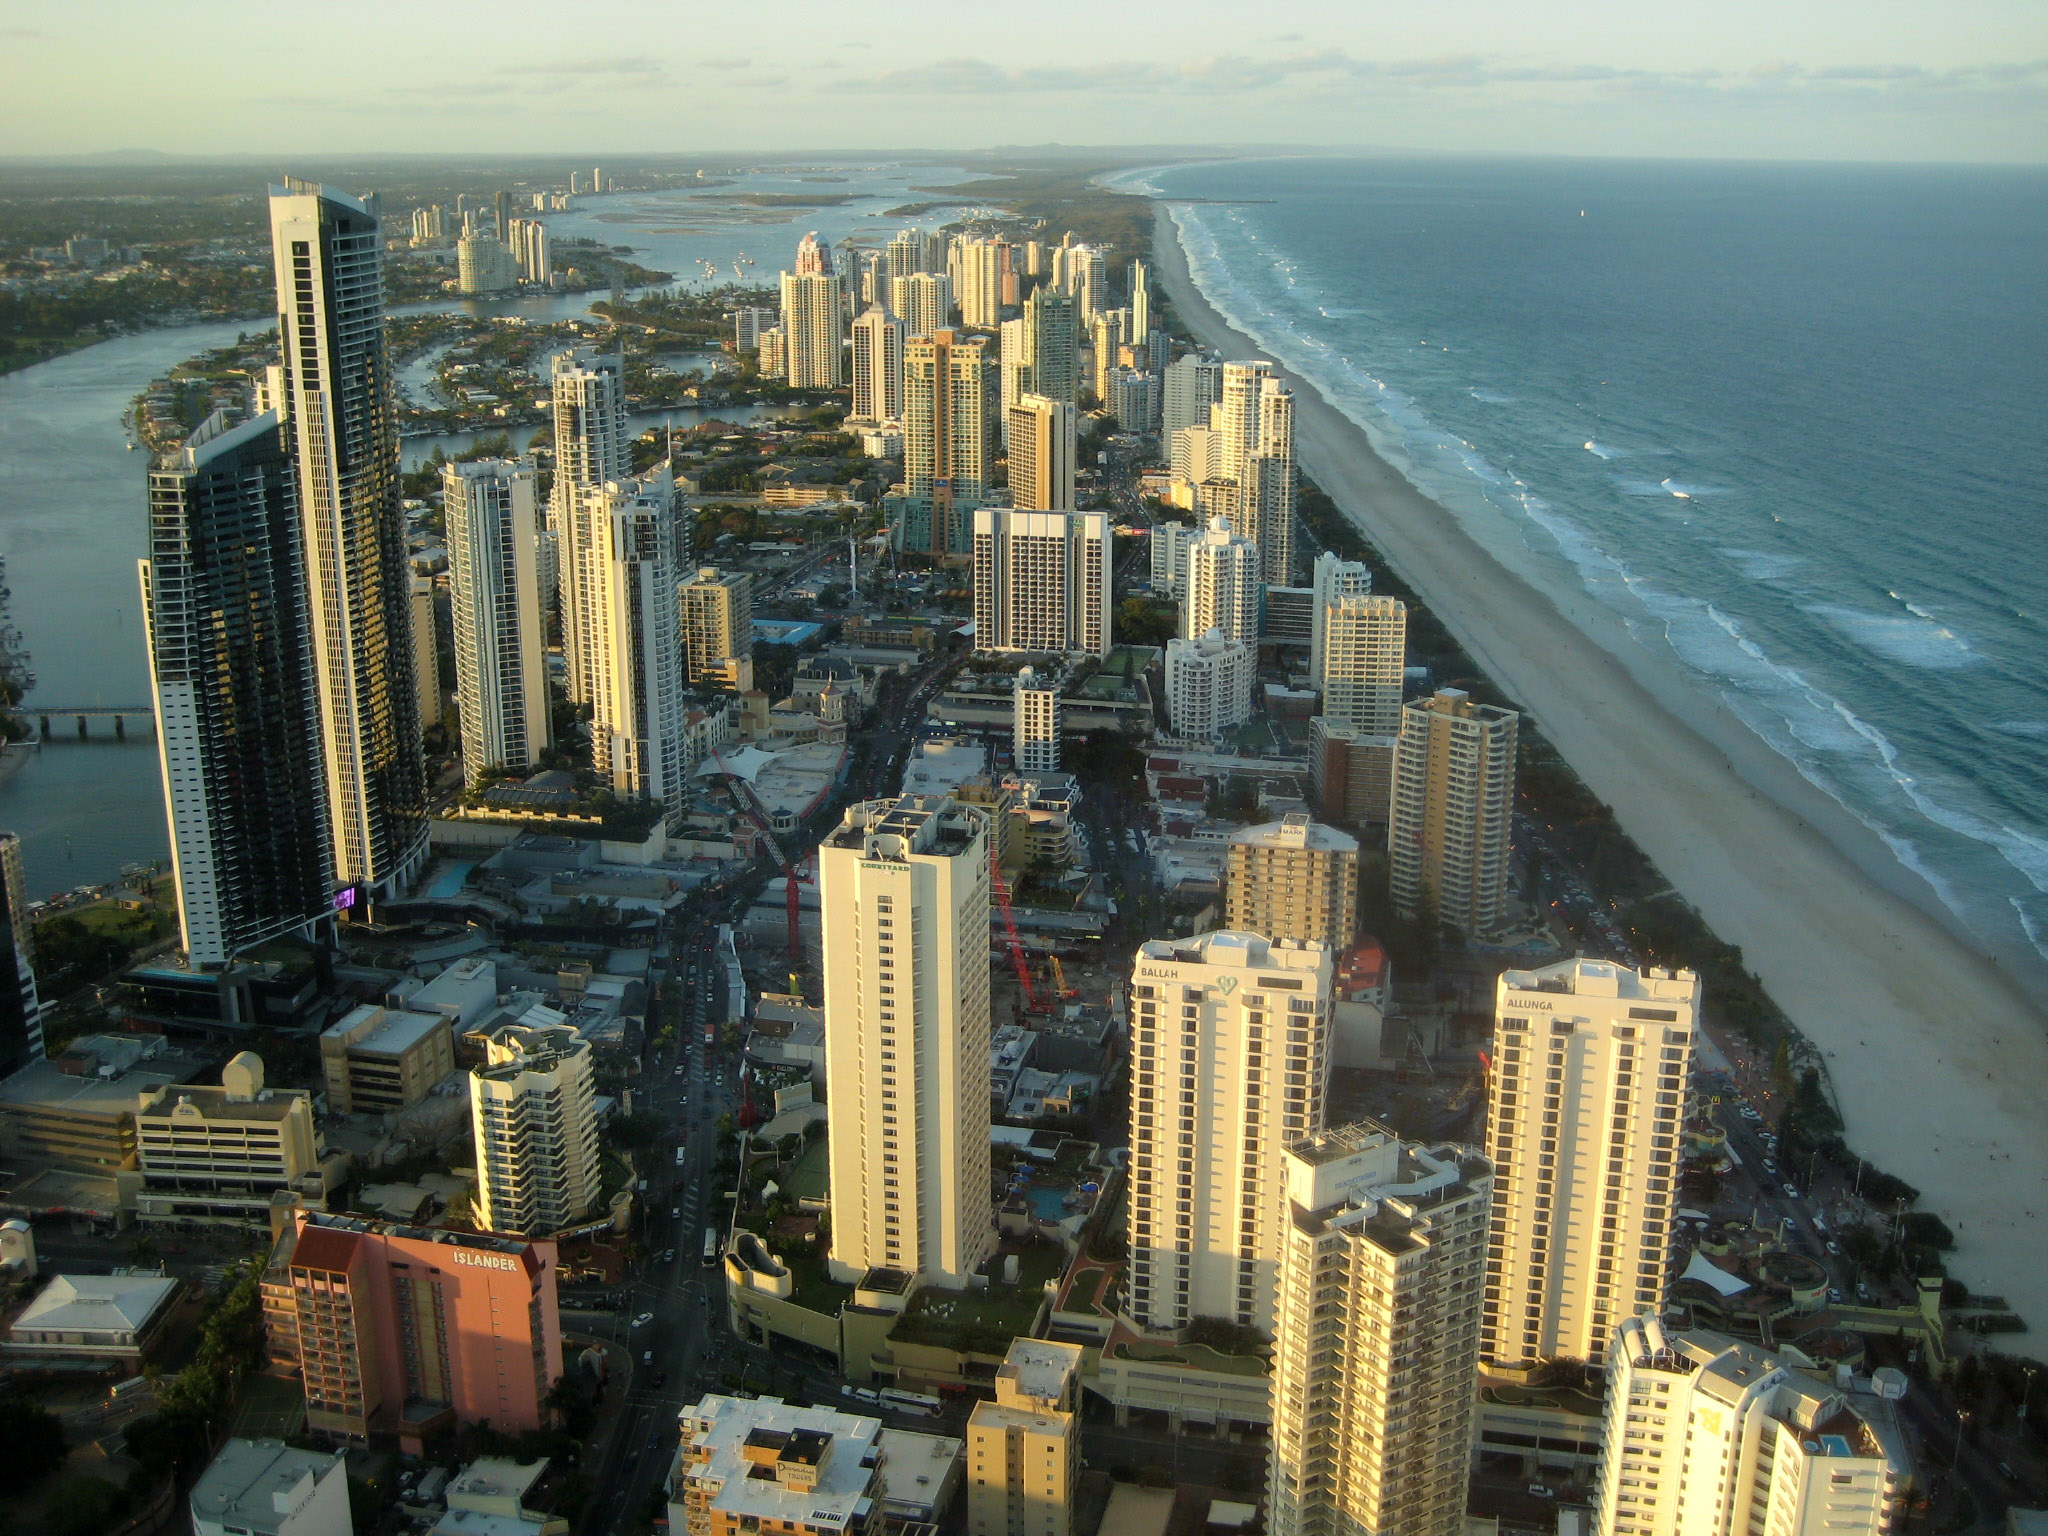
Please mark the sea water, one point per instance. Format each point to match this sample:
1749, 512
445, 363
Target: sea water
1785, 420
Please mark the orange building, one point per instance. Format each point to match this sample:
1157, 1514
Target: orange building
409, 1330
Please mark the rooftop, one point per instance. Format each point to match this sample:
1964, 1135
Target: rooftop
1297, 832
731, 1448
1604, 978
96, 1303
393, 1032
1040, 1368
256, 1485
98, 1075
1237, 951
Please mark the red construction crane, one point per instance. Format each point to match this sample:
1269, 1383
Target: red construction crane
1023, 968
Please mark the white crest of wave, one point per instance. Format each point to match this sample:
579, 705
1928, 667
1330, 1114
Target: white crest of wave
1909, 640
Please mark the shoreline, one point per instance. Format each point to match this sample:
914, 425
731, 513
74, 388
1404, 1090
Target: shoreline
1934, 1051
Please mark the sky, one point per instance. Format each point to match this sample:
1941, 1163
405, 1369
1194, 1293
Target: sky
1945, 80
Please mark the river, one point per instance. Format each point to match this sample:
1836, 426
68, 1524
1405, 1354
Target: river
72, 503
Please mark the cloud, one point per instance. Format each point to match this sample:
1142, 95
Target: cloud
725, 63
636, 64
1333, 69
22, 34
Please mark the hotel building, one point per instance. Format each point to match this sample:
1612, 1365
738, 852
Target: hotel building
533, 1113
1377, 1339
1293, 879
760, 1464
1452, 810
225, 615
412, 1331
344, 423
1592, 1070
1041, 582
903, 886
1024, 1449
717, 616
1706, 1436
491, 513
1230, 1062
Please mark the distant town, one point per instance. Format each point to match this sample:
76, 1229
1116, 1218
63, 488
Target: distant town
852, 907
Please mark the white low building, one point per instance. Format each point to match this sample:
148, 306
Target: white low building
115, 1318
1208, 685
268, 1488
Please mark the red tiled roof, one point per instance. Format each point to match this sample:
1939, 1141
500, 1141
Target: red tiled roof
325, 1248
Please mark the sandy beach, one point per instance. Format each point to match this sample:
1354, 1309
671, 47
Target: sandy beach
1939, 1058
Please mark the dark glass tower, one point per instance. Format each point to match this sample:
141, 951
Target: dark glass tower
342, 419
231, 662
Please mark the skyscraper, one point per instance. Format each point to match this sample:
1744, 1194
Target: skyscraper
982, 265
923, 301
1035, 724
485, 264
1452, 812
21, 1018
330, 288
813, 256
1141, 302
224, 605
490, 512
1024, 1449
1230, 1062
591, 448
1052, 344
1041, 435
1223, 585
1269, 484
1333, 577
946, 432
1170, 543
1256, 420
533, 1113
1592, 1067
813, 322
718, 621
1364, 659
1106, 332
638, 727
1377, 1336
1712, 1437
1209, 683
877, 366
1293, 879
1193, 384
1041, 581
1014, 369
426, 652
904, 887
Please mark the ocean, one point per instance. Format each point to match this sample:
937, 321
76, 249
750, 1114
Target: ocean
1783, 420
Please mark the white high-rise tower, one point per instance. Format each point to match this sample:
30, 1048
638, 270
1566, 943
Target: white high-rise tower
1230, 1062
1706, 1436
591, 448
491, 514
1224, 585
1592, 1071
877, 366
1041, 581
904, 889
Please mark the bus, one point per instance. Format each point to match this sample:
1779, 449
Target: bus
911, 1402
710, 1246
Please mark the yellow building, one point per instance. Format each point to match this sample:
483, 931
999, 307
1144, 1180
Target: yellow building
1024, 1449
1293, 879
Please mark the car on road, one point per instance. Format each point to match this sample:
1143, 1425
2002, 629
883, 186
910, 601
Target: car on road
675, 1212
1833, 1246
1542, 1492
1791, 1190
643, 1319
647, 1357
